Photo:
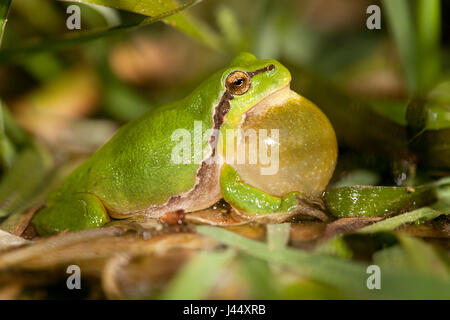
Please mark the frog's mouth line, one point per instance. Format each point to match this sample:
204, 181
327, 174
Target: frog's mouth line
277, 97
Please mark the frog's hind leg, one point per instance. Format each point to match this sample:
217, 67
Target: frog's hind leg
75, 212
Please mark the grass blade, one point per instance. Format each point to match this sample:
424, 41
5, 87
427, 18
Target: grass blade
346, 275
181, 21
196, 279
400, 21
76, 38
413, 254
423, 257
151, 8
7, 150
391, 224
4, 8
428, 42
196, 29
278, 235
323, 268
20, 183
261, 280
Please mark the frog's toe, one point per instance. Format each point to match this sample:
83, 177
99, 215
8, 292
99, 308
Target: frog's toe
77, 212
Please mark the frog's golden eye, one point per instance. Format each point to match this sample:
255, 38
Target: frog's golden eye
238, 82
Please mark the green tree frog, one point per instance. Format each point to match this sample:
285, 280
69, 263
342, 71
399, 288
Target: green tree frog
136, 171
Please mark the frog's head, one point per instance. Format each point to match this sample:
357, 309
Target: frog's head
300, 153
247, 81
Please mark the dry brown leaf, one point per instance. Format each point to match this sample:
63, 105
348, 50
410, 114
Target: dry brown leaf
139, 277
41, 248
8, 241
18, 227
428, 229
251, 231
215, 217
307, 230
345, 225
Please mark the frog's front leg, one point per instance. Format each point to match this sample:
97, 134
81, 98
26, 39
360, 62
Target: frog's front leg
71, 212
253, 201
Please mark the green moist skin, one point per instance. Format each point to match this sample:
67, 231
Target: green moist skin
375, 201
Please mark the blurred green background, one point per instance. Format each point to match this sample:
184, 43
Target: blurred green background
63, 92
386, 91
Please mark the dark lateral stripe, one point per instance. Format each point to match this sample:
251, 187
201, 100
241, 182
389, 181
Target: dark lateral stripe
222, 109
254, 73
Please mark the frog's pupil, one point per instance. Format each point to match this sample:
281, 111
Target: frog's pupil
238, 82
